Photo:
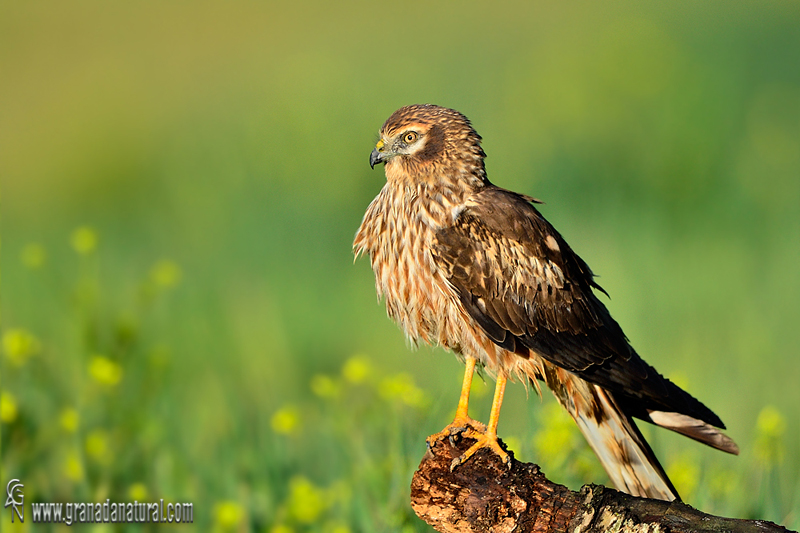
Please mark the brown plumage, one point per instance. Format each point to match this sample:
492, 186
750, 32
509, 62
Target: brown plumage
478, 270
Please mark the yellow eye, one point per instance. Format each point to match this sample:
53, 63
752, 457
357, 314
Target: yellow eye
409, 137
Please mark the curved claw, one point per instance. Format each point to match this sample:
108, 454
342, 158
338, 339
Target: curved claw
482, 440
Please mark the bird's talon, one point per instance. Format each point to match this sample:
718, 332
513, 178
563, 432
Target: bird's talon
482, 440
459, 426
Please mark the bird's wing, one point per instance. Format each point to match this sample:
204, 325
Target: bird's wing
526, 288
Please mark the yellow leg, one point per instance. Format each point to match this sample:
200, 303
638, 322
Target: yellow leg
466, 386
462, 420
497, 402
488, 438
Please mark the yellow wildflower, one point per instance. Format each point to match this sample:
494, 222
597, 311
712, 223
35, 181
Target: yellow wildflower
166, 273
306, 501
69, 420
33, 255
770, 427
97, 446
8, 407
228, 514
84, 240
19, 345
357, 369
324, 386
286, 420
401, 386
73, 467
105, 371
138, 492
770, 422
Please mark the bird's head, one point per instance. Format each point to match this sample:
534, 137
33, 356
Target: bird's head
423, 140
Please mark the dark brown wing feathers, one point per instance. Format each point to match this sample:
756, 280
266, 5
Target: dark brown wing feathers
523, 284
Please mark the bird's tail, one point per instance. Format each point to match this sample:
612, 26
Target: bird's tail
621, 448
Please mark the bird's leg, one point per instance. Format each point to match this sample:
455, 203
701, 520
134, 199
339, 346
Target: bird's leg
462, 420
488, 438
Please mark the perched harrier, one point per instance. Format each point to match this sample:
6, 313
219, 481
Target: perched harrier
475, 268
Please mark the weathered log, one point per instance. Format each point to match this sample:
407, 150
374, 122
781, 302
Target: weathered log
483, 494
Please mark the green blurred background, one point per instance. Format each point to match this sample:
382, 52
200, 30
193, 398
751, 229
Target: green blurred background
181, 316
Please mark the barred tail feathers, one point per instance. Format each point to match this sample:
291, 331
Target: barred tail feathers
622, 450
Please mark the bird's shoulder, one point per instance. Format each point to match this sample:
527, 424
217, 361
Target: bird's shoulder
500, 233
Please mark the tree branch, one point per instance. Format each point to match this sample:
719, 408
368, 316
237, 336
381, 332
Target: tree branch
483, 494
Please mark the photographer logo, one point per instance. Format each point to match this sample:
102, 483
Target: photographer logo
14, 491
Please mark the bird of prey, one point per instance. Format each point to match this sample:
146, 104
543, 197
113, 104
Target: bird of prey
476, 269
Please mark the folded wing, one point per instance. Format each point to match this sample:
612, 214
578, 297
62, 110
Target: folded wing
526, 288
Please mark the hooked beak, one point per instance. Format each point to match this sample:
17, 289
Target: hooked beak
375, 157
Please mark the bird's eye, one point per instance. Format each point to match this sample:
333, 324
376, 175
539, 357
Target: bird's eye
409, 137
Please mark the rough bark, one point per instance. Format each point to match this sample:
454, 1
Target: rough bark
483, 494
